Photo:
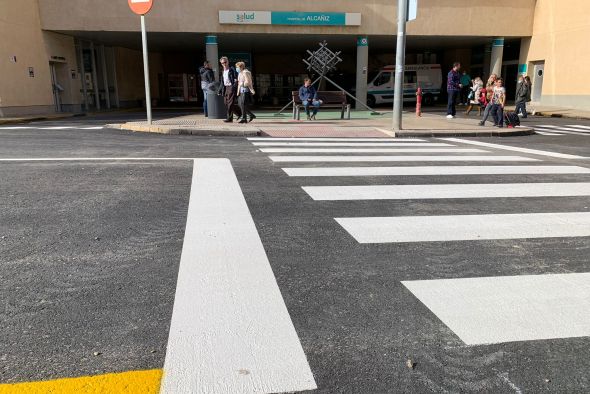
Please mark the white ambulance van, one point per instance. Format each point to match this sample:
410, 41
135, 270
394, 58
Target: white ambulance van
427, 76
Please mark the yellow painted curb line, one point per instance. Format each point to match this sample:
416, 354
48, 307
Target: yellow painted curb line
132, 382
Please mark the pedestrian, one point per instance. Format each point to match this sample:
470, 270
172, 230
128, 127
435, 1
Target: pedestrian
522, 94
309, 97
453, 89
474, 96
466, 82
530, 90
229, 89
489, 90
207, 80
245, 92
498, 102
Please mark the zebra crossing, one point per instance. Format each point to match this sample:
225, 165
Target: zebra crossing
553, 130
481, 310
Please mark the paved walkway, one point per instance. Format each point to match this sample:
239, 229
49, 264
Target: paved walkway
328, 124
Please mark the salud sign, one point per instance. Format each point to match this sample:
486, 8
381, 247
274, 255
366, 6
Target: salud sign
290, 18
140, 7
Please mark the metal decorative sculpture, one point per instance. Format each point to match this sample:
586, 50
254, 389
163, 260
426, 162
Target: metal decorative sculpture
322, 62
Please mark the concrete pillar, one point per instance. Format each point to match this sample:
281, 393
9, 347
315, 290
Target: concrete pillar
82, 72
487, 59
362, 64
94, 77
114, 73
525, 44
497, 53
212, 53
105, 75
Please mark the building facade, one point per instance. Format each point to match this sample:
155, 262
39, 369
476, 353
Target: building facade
64, 56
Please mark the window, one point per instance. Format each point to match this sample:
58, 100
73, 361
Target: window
410, 77
382, 79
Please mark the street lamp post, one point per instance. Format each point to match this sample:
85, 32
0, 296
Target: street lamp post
400, 58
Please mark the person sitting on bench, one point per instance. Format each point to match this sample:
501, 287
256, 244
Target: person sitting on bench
308, 96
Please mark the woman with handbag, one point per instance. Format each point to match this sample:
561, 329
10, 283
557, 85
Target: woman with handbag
473, 97
245, 92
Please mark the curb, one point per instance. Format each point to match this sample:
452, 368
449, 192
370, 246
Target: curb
514, 132
171, 130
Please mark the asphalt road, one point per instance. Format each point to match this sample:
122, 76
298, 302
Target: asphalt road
90, 254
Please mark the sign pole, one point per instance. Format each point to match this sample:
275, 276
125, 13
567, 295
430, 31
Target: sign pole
146, 72
400, 59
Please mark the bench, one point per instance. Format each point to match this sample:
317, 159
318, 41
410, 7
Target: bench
331, 99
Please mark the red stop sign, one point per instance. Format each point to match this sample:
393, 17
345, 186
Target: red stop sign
140, 7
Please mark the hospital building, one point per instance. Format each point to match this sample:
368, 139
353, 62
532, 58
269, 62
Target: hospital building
85, 55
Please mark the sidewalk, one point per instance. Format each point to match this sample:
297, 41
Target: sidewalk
328, 124
558, 112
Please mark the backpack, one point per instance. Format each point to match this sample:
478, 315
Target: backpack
511, 119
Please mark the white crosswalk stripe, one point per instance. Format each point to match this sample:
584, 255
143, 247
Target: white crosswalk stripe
336, 139
579, 126
562, 130
509, 308
283, 159
356, 144
467, 227
371, 150
547, 133
405, 192
506, 308
434, 170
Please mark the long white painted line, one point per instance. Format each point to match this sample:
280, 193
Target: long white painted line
467, 227
434, 170
578, 126
94, 159
515, 149
230, 330
357, 144
371, 150
344, 139
509, 308
408, 192
283, 159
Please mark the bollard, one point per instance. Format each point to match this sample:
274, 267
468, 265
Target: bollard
419, 101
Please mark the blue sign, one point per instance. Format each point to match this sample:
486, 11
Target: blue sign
498, 42
308, 18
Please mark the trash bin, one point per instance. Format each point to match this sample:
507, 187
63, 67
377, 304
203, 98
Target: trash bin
215, 106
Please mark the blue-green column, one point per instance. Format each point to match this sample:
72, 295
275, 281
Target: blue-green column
212, 53
362, 64
497, 54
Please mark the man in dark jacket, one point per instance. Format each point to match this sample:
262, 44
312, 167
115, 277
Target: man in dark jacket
207, 79
523, 93
229, 89
453, 88
308, 96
